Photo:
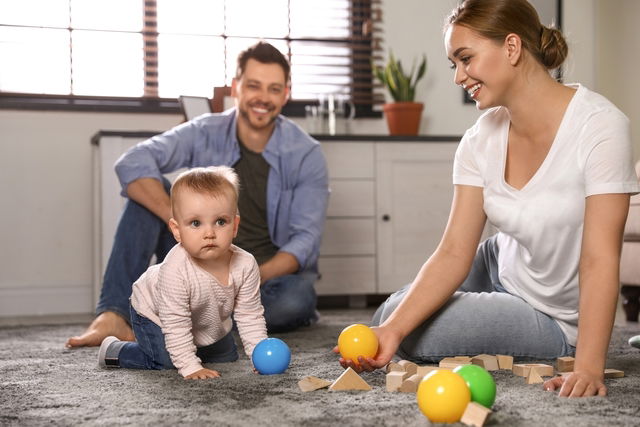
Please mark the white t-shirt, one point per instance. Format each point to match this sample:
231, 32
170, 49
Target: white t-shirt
540, 225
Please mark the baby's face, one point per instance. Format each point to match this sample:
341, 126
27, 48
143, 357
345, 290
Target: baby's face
206, 225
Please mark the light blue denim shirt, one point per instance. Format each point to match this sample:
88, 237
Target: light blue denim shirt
297, 187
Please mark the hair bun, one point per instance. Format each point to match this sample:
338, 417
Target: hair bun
553, 47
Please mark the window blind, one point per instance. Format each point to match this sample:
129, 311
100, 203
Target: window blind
160, 49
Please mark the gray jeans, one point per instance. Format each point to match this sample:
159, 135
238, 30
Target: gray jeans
480, 318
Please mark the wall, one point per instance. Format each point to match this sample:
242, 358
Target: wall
46, 192
617, 41
46, 158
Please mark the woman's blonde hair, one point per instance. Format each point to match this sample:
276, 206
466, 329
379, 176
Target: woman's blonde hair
495, 19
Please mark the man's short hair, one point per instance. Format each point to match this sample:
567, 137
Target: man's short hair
265, 53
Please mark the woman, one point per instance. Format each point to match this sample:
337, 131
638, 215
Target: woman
550, 167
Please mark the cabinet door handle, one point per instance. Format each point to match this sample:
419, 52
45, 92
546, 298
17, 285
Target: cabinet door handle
386, 217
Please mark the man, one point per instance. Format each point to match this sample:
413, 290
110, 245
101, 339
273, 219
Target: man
283, 198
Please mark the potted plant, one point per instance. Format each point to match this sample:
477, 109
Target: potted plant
403, 115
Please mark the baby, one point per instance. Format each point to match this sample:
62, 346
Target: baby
181, 308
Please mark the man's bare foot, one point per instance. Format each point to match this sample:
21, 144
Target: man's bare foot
107, 323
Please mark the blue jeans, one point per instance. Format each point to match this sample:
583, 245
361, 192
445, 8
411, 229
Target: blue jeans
289, 301
149, 350
481, 318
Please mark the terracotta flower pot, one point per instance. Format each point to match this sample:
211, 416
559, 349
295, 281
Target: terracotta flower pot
403, 118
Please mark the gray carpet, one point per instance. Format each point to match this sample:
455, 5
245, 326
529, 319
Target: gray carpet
41, 383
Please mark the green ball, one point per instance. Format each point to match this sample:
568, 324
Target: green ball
480, 383
635, 341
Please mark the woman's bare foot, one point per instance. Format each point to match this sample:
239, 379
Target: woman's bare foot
107, 323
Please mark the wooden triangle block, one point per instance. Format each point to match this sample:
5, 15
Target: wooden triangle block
410, 385
393, 366
533, 377
312, 383
487, 361
349, 380
409, 367
613, 373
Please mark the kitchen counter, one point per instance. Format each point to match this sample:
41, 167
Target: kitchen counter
320, 137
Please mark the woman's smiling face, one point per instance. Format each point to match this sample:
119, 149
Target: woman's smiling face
482, 66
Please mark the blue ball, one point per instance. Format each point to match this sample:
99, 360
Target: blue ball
271, 356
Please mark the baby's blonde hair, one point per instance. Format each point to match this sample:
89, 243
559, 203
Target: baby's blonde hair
215, 181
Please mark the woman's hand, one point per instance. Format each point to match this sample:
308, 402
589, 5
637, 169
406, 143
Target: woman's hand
203, 374
388, 343
578, 384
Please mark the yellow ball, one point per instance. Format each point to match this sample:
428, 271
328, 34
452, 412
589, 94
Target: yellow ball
357, 340
443, 396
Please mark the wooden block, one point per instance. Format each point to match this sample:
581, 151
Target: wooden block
409, 367
393, 366
522, 370
564, 364
452, 362
608, 373
349, 380
487, 361
613, 373
475, 415
505, 362
312, 383
424, 370
533, 377
543, 370
395, 380
410, 385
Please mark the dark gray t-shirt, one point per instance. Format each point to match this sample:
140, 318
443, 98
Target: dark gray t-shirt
253, 233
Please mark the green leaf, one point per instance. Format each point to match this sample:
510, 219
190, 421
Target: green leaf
401, 86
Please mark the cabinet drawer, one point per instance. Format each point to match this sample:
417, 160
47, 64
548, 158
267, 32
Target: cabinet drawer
351, 198
348, 236
349, 159
346, 276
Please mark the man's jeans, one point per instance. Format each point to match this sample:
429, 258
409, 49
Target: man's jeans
481, 318
289, 301
149, 350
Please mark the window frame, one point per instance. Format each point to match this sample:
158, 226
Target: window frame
151, 104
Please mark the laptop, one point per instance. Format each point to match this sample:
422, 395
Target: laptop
194, 106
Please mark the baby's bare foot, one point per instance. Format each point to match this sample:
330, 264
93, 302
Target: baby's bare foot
107, 323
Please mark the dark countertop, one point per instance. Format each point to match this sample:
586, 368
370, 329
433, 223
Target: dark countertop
95, 139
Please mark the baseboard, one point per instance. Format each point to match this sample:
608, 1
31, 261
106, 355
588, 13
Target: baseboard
50, 300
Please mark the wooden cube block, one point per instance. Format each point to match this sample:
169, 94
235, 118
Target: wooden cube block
487, 361
565, 364
395, 380
475, 415
505, 362
452, 362
424, 370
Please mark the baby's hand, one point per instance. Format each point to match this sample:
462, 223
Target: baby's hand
203, 374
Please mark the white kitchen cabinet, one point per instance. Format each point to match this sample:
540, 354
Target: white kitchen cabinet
414, 191
387, 210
